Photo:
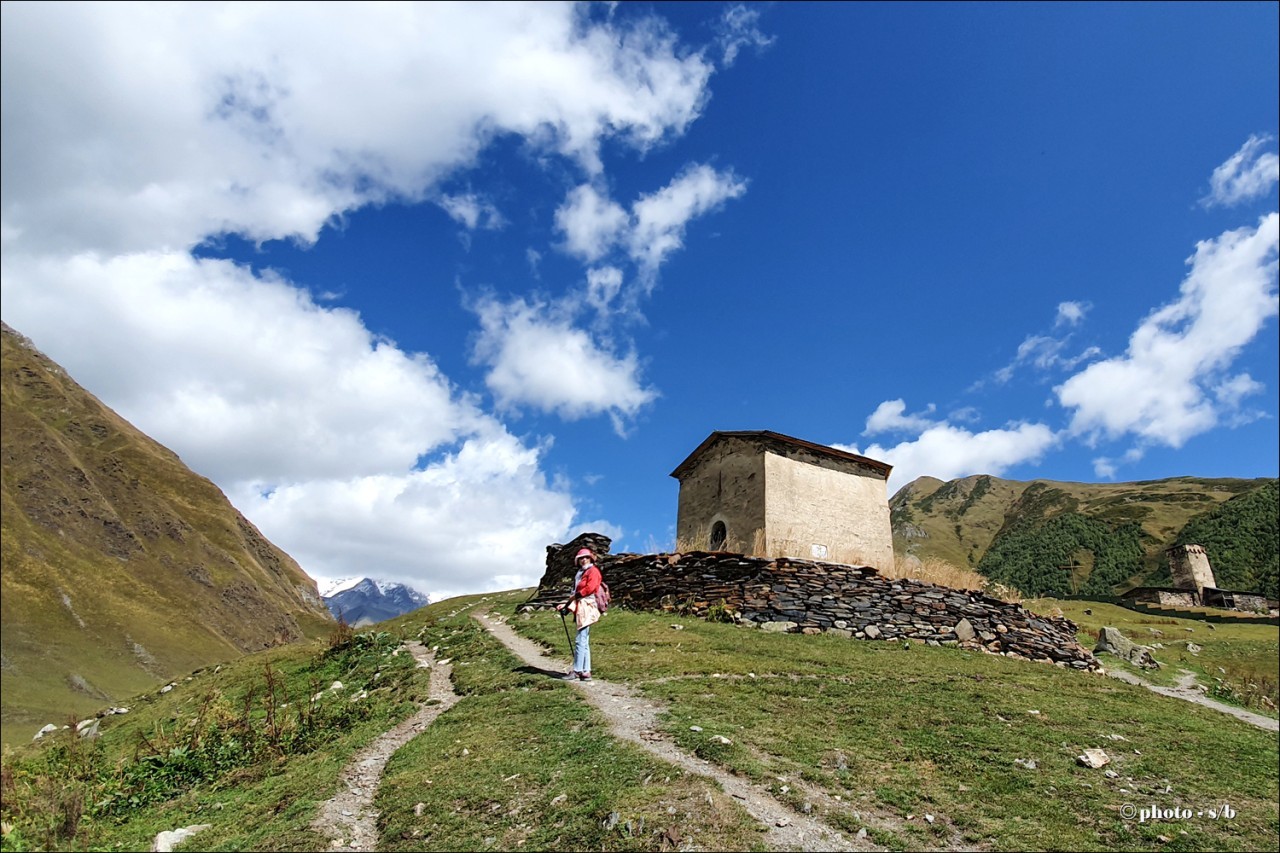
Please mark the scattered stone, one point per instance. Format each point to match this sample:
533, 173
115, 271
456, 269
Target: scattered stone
783, 822
49, 728
166, 688
778, 626
1194, 649
872, 632
1034, 713
89, 731
165, 841
612, 820
559, 799
465, 752
695, 728
928, 818
1111, 641
418, 809
1111, 774
1093, 758
1029, 763
862, 834
721, 739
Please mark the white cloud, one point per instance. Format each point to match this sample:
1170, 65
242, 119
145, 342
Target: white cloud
314, 427
1071, 313
594, 225
739, 28
603, 286
471, 211
477, 520
247, 378
537, 357
591, 223
132, 133
946, 452
890, 416
268, 119
660, 218
1248, 174
1162, 389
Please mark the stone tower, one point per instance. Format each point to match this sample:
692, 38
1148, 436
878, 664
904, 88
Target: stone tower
1189, 566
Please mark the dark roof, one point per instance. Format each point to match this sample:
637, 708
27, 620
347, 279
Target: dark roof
768, 436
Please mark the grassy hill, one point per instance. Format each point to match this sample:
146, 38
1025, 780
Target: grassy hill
864, 735
121, 567
1047, 537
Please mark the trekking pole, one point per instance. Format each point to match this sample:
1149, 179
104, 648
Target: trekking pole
566, 635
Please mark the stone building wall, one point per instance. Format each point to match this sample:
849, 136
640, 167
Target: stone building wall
811, 597
815, 510
726, 486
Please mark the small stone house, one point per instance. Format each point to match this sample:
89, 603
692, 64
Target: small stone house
768, 494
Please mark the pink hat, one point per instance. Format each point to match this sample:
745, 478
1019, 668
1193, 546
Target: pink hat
585, 552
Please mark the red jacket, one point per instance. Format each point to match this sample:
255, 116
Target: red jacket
590, 582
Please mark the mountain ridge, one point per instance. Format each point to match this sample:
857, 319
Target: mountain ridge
121, 566
980, 522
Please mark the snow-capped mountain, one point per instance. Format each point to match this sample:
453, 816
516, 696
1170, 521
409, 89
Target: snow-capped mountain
364, 601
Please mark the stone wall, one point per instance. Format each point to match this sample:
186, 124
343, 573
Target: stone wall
851, 601
727, 485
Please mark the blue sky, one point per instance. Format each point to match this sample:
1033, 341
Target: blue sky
424, 289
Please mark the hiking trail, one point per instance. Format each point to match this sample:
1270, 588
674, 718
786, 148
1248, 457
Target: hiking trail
348, 819
634, 718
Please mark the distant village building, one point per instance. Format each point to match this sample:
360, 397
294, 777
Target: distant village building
768, 494
1195, 586
1189, 567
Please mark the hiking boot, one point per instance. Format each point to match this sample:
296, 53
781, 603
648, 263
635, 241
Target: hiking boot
572, 676
586, 676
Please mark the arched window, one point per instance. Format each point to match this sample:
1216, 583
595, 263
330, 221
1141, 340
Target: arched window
719, 535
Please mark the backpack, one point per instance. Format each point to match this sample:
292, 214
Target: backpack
602, 597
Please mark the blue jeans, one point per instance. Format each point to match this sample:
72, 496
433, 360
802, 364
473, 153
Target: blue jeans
582, 650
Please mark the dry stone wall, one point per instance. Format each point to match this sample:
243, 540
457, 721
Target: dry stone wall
852, 601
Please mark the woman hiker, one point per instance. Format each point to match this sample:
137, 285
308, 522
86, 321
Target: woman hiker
582, 603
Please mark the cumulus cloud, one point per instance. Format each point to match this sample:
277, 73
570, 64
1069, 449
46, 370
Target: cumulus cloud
946, 451
660, 218
465, 523
1174, 380
890, 416
133, 133
1248, 174
537, 357
267, 121
591, 223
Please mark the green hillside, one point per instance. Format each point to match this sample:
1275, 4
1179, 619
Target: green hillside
916, 748
121, 567
1056, 538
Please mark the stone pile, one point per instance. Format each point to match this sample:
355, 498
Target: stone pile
803, 596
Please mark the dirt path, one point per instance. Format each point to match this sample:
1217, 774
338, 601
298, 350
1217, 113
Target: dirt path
349, 819
635, 719
1188, 691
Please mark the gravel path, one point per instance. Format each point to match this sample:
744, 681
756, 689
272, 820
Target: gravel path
349, 819
635, 719
1188, 690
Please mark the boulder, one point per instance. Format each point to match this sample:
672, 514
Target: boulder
1111, 641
